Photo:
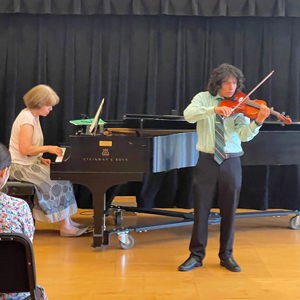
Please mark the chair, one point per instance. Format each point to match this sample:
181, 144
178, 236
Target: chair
17, 264
20, 189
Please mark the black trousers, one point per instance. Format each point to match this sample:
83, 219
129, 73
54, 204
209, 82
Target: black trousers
215, 182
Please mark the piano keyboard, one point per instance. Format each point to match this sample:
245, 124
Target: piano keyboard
60, 158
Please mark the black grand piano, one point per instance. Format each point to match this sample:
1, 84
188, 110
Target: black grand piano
149, 144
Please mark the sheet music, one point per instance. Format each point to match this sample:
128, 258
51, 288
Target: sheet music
96, 119
60, 158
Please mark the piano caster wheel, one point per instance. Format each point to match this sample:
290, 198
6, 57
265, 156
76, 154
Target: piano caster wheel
295, 222
118, 217
126, 241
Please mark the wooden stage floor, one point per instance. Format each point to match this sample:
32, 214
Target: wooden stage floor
267, 250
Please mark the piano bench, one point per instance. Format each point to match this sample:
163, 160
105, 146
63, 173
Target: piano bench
21, 189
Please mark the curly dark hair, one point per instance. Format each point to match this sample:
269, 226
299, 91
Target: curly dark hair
222, 72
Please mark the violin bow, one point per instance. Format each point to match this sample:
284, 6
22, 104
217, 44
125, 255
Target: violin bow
247, 96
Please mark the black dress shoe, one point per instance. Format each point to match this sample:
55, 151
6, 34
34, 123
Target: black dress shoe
190, 264
230, 264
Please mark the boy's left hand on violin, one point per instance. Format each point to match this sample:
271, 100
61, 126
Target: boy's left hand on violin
263, 113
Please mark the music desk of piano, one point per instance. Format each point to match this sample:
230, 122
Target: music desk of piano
139, 145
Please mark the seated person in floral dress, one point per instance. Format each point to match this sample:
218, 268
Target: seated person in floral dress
15, 217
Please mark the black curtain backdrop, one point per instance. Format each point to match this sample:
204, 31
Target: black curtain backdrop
207, 8
148, 57
139, 64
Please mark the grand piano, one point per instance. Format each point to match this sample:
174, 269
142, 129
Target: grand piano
149, 144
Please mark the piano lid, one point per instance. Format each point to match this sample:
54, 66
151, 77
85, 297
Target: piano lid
153, 117
142, 123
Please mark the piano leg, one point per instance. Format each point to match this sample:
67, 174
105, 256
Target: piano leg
99, 217
98, 188
98, 184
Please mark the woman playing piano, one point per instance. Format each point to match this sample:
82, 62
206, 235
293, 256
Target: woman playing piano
56, 201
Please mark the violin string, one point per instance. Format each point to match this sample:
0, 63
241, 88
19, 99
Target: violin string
253, 104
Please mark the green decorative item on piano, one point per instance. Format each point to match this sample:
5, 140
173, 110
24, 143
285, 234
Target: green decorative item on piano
87, 122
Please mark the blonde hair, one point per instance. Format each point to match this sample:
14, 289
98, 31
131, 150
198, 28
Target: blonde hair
39, 96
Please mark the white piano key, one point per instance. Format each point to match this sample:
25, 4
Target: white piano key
60, 158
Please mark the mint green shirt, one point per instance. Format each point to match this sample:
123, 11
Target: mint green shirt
237, 127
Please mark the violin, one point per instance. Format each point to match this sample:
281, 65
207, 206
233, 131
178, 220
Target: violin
250, 108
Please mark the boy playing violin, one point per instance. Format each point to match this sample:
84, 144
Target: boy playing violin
218, 173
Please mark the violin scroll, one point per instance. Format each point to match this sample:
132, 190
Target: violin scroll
285, 119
